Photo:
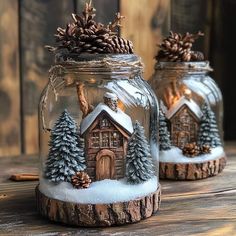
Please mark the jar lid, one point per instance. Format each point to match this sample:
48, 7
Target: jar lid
99, 62
194, 66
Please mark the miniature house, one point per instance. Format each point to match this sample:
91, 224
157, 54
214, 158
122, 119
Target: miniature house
184, 117
106, 131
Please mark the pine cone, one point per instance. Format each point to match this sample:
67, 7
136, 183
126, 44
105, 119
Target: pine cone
191, 150
177, 47
80, 180
205, 149
197, 56
85, 35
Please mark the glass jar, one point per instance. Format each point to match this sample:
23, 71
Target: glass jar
191, 118
98, 140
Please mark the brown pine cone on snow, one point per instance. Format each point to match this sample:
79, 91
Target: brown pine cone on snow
80, 180
177, 47
205, 149
85, 35
191, 150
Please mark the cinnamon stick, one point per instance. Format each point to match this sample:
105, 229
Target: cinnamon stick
24, 177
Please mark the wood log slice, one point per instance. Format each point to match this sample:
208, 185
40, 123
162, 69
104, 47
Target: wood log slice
191, 171
93, 215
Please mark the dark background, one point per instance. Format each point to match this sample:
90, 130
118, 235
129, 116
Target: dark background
27, 25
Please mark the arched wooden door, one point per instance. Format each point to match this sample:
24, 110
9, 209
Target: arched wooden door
105, 165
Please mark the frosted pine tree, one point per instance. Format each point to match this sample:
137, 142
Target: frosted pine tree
66, 153
164, 135
208, 133
139, 164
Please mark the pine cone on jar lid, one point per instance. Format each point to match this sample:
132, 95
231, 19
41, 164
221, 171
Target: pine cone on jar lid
177, 48
80, 180
84, 35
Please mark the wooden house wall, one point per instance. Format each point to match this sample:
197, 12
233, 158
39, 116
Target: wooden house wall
27, 25
177, 126
91, 154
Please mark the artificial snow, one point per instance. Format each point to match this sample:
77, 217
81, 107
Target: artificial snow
175, 155
119, 117
181, 102
104, 191
110, 95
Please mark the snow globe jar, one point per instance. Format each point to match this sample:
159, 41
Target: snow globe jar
191, 112
98, 138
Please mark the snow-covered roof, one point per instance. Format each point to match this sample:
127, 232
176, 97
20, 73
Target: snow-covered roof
110, 95
119, 117
180, 103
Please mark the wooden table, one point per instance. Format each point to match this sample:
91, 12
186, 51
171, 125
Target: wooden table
205, 207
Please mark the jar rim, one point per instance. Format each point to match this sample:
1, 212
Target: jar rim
82, 57
100, 63
192, 66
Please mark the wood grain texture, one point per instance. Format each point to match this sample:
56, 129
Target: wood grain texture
191, 16
222, 53
91, 215
145, 21
200, 208
38, 21
9, 79
192, 171
105, 9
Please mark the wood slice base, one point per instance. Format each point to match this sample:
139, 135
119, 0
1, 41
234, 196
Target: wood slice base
92, 215
191, 171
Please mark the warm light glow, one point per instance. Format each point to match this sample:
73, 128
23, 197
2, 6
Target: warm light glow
121, 105
92, 80
175, 100
69, 80
187, 93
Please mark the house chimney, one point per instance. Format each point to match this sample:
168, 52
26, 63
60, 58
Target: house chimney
188, 94
111, 100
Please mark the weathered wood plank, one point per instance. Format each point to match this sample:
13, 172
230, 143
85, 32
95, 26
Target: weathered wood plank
191, 16
9, 79
144, 23
105, 9
205, 207
222, 53
39, 20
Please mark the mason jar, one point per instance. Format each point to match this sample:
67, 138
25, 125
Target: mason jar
98, 142
191, 116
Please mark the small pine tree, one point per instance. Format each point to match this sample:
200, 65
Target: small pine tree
164, 135
66, 153
208, 132
139, 164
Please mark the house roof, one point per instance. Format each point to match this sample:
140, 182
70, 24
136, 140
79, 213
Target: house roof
180, 103
119, 117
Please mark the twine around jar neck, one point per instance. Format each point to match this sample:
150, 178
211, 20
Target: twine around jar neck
184, 67
179, 70
98, 64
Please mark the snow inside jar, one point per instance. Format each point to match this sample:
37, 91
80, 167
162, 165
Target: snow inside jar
191, 112
98, 132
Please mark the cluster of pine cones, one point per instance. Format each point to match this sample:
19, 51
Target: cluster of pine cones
177, 47
192, 149
80, 180
85, 35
